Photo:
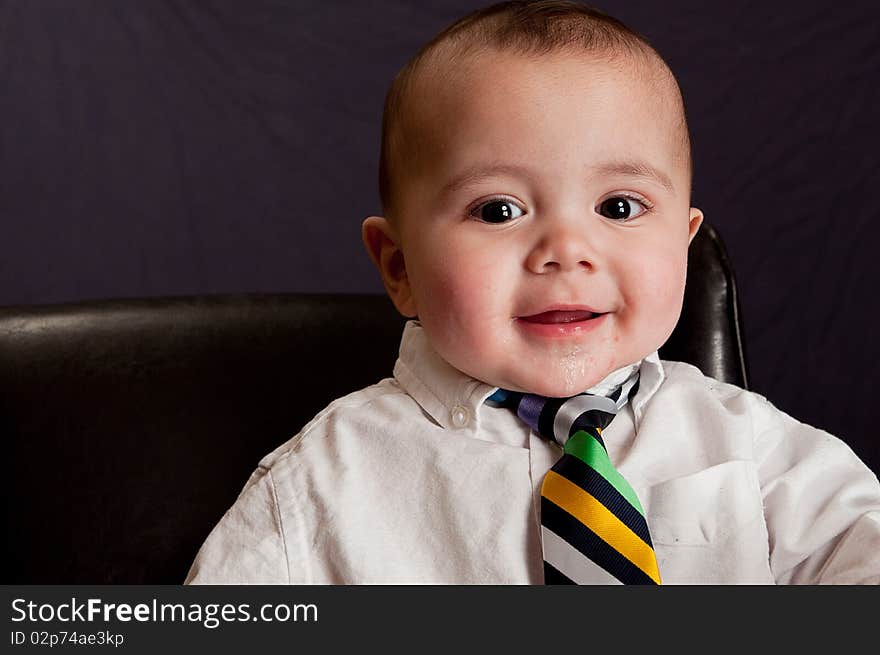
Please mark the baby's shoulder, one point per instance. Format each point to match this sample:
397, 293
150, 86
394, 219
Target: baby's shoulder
685, 383
688, 390
685, 376
371, 405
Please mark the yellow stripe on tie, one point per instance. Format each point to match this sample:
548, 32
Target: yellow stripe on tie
589, 511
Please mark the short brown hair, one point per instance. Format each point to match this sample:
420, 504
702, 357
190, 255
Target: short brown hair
522, 26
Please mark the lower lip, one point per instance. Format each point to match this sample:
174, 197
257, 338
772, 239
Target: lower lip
556, 330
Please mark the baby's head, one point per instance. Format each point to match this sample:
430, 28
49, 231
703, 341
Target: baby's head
535, 181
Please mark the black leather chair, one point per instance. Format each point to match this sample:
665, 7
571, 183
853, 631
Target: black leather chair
131, 425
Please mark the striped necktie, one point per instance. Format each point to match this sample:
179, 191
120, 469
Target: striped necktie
593, 528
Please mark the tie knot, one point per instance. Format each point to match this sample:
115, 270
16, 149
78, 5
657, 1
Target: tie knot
560, 418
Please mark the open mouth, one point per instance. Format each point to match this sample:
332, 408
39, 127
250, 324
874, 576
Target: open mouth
557, 317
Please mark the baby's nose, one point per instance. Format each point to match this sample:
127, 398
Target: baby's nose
561, 249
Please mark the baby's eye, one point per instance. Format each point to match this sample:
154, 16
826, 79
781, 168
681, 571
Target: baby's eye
497, 211
622, 208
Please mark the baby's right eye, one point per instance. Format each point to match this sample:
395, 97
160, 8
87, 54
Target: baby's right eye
497, 211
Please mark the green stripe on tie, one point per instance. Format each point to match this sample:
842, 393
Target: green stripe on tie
586, 448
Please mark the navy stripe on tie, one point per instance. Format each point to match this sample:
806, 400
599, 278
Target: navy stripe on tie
552, 575
548, 416
589, 420
513, 400
586, 477
590, 544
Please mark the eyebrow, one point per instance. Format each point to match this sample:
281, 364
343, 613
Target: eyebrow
638, 169
480, 172
627, 168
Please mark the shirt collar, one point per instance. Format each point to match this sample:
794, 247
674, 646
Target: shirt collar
454, 400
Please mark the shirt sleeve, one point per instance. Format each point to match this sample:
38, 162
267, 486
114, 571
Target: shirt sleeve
247, 545
821, 503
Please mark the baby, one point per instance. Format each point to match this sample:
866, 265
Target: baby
535, 177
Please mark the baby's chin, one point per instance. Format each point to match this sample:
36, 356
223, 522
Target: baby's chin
555, 384
559, 390
555, 376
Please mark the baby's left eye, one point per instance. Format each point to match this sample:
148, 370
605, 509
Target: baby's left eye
621, 208
497, 211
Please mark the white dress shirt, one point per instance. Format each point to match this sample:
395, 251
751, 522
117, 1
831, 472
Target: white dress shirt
416, 480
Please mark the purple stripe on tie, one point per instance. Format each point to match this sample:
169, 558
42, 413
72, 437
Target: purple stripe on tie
529, 409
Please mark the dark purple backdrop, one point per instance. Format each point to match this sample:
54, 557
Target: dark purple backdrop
155, 148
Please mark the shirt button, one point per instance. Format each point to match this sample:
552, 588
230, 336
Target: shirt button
460, 416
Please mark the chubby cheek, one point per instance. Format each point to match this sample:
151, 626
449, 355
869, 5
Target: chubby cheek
459, 298
655, 291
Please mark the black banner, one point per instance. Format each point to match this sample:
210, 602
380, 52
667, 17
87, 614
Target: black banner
151, 619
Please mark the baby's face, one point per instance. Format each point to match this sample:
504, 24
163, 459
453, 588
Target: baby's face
545, 230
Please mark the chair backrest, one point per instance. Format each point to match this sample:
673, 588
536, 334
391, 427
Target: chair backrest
133, 424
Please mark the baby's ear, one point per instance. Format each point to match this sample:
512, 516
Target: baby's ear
696, 220
383, 245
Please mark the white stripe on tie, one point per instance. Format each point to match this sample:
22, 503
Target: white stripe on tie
624, 392
574, 407
572, 563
